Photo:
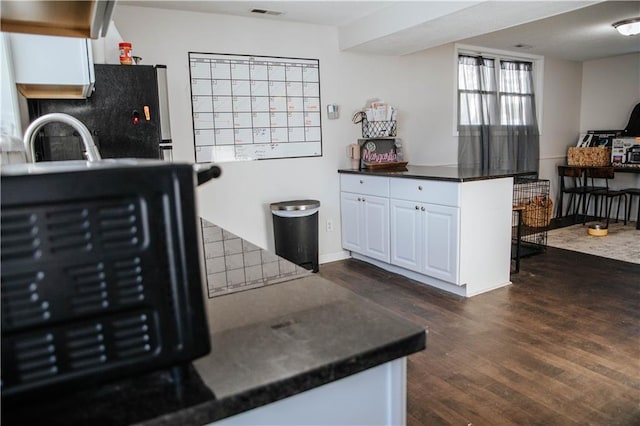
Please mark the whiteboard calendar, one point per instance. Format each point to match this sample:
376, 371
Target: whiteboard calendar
254, 107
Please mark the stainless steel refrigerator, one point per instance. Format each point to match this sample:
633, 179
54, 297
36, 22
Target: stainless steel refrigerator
128, 116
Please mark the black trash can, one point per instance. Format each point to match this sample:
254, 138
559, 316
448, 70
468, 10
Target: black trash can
295, 230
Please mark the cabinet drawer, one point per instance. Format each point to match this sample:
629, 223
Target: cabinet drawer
426, 191
363, 184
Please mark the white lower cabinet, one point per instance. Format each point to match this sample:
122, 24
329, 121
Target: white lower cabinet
441, 243
406, 234
425, 239
365, 224
455, 236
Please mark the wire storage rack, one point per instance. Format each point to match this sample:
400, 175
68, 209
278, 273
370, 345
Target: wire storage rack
377, 129
532, 213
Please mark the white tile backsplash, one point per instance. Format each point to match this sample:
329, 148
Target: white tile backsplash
211, 233
233, 264
253, 274
271, 270
232, 246
214, 250
234, 261
267, 256
252, 258
248, 247
215, 265
236, 277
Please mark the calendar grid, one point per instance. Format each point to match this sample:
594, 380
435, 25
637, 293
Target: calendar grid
254, 107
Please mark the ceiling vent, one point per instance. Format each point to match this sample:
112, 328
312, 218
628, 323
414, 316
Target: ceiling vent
266, 12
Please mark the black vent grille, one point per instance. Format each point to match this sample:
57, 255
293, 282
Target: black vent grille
132, 336
89, 288
86, 347
129, 281
107, 226
119, 227
36, 358
22, 302
68, 230
20, 236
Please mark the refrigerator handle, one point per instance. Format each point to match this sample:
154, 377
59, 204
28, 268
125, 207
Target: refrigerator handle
163, 103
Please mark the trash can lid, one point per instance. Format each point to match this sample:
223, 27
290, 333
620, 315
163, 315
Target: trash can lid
295, 205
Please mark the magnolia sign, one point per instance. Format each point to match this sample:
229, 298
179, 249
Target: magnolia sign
380, 151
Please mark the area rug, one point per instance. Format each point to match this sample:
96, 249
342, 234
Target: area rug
622, 243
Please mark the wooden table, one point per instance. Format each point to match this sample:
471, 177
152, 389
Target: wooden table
617, 169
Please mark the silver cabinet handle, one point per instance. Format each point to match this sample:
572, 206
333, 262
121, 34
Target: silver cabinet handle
417, 208
422, 208
420, 188
363, 200
361, 181
359, 199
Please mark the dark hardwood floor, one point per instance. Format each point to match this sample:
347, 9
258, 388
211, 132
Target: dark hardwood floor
559, 346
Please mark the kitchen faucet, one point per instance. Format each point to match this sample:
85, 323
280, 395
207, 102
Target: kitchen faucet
91, 151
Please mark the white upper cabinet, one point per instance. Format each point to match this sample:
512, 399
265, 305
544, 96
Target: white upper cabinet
52, 67
83, 19
50, 51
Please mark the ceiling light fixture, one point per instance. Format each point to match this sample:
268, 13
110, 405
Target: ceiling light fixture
628, 27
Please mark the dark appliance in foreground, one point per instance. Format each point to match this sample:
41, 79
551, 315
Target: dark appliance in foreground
128, 116
102, 273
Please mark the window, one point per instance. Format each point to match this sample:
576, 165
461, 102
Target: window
495, 118
495, 91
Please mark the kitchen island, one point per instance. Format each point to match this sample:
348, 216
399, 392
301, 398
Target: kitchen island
297, 352
445, 226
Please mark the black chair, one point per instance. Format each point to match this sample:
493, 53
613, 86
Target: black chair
570, 183
604, 174
632, 192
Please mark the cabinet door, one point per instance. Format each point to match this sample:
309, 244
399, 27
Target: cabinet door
50, 67
406, 234
375, 220
350, 208
441, 242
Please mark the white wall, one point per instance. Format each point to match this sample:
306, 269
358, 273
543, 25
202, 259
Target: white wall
561, 116
419, 85
610, 90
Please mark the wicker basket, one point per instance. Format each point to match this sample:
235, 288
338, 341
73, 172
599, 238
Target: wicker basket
589, 156
538, 213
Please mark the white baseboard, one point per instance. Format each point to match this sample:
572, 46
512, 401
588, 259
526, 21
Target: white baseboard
332, 257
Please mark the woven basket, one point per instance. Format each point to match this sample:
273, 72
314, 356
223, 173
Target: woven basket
589, 156
538, 214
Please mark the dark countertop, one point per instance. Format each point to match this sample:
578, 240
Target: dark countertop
443, 173
267, 344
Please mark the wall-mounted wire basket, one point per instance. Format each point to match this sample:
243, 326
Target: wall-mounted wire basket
378, 129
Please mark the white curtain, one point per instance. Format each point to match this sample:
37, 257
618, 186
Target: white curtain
497, 124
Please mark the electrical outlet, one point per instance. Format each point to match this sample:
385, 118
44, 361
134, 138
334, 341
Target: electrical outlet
329, 226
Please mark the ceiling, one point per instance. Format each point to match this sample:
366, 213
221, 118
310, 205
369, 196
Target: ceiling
572, 30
